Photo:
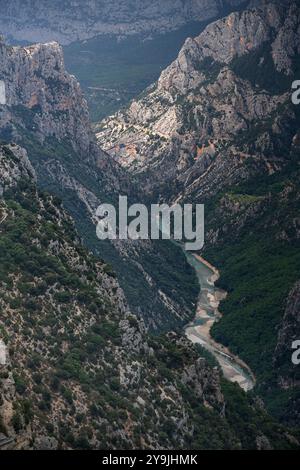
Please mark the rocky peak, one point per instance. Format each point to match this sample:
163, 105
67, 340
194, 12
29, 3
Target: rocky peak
35, 79
192, 125
234, 36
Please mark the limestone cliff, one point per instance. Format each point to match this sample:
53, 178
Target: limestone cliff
219, 128
205, 123
46, 113
76, 366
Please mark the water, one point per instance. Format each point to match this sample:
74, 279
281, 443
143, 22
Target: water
198, 331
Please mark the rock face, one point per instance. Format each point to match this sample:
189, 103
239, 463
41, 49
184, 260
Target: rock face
191, 129
46, 113
72, 348
80, 371
15, 169
37, 21
219, 128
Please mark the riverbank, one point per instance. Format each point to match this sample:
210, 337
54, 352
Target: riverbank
207, 313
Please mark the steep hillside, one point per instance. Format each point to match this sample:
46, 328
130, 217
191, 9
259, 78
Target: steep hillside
219, 128
101, 38
253, 237
97, 63
77, 369
66, 21
206, 122
46, 113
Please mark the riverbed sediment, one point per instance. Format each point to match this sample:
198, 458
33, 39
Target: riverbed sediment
207, 313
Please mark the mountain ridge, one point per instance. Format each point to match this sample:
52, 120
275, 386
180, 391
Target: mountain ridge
77, 369
219, 128
200, 103
68, 22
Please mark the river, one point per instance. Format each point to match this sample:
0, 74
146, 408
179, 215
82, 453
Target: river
207, 313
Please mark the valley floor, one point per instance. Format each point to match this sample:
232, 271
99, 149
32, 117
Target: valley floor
198, 331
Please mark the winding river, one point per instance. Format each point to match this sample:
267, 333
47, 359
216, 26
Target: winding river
198, 331
207, 313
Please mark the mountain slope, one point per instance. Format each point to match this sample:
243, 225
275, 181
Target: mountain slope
77, 369
219, 128
198, 119
253, 237
46, 113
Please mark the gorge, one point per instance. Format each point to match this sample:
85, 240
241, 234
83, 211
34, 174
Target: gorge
100, 347
219, 127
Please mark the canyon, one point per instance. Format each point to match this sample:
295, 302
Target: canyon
219, 128
95, 338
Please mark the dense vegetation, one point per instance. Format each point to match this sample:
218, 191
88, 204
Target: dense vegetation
162, 262
259, 265
82, 373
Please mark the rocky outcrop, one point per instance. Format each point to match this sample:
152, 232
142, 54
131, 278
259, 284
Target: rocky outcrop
287, 372
46, 113
82, 371
38, 21
204, 382
234, 36
15, 169
209, 114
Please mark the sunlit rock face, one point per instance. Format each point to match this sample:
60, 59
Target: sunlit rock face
183, 135
35, 77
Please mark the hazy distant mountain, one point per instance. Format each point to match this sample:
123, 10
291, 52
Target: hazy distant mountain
67, 21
